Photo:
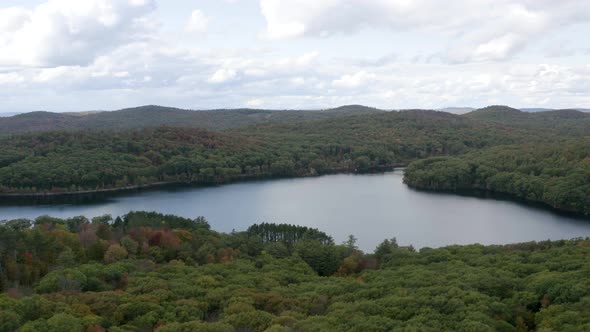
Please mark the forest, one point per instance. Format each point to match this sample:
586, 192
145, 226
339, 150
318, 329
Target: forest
146, 271
154, 116
567, 122
555, 174
539, 157
74, 161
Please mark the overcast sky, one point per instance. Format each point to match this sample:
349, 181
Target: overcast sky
72, 55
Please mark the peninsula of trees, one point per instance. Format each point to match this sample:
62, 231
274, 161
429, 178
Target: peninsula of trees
556, 174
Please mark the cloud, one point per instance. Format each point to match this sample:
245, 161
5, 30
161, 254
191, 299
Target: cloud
249, 67
484, 30
61, 32
297, 80
12, 18
107, 54
353, 80
255, 103
11, 78
198, 22
299, 61
298, 18
223, 75
380, 61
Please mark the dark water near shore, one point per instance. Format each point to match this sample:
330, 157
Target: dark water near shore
372, 207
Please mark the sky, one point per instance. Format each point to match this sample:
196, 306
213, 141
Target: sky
71, 55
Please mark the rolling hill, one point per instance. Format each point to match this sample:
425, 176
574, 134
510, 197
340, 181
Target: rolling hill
570, 121
152, 116
86, 160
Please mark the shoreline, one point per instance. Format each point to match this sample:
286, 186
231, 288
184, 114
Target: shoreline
89, 194
486, 193
25, 195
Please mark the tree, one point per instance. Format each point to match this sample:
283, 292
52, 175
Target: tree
282, 167
75, 224
66, 258
362, 164
9, 320
105, 219
322, 258
350, 243
385, 249
67, 280
130, 245
115, 253
64, 322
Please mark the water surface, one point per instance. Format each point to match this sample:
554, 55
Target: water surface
372, 207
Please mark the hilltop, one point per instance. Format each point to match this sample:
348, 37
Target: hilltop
496, 112
506, 114
570, 121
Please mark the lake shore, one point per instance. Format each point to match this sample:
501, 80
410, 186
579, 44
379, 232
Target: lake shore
194, 184
371, 206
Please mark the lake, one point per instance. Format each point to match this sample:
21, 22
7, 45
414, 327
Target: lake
372, 207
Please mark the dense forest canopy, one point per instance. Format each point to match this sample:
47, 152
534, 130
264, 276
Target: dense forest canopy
154, 116
496, 148
146, 271
72, 161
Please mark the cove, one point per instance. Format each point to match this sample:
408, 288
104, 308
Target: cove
372, 207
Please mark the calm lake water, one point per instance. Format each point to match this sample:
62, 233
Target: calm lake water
372, 207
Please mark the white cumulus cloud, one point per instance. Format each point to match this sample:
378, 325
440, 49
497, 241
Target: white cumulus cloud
62, 32
353, 80
198, 22
106, 54
484, 29
223, 75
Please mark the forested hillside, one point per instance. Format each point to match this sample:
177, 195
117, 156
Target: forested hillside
556, 174
71, 161
566, 122
537, 156
153, 116
147, 271
429, 132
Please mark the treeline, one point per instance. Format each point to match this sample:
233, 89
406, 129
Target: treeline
287, 234
57, 162
147, 271
555, 174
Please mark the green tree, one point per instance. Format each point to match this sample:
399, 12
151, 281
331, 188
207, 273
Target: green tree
115, 253
64, 322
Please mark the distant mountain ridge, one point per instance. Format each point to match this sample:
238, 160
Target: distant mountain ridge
456, 110
153, 115
566, 120
532, 110
501, 112
222, 119
464, 110
8, 114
